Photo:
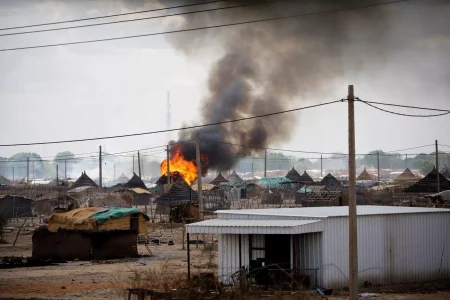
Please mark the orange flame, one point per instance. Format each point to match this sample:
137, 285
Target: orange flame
187, 169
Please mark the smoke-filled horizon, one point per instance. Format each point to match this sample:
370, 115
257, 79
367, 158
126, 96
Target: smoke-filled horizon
272, 66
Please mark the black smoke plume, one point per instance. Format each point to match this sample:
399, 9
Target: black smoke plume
273, 66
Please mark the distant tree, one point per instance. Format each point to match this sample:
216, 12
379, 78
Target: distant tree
63, 159
387, 160
19, 162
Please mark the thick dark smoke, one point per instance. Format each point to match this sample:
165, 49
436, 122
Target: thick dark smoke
273, 66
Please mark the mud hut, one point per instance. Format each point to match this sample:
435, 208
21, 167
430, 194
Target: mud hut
234, 178
83, 181
406, 177
219, 179
330, 181
305, 178
12, 206
365, 176
48, 202
100, 219
122, 179
428, 184
136, 182
293, 175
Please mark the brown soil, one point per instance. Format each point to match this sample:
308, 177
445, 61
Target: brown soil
108, 279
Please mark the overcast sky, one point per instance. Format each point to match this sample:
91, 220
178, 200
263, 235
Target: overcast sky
120, 87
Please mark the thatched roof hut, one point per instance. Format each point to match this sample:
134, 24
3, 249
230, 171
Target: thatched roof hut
5, 181
330, 181
293, 175
406, 176
99, 219
136, 182
83, 181
428, 184
122, 179
219, 179
364, 176
305, 178
234, 178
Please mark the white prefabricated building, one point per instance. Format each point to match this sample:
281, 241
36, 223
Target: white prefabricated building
395, 244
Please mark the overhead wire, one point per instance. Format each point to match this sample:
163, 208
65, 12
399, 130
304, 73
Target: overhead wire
173, 129
444, 112
201, 28
110, 16
141, 19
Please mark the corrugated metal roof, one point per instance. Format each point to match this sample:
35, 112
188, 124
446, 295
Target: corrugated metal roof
231, 226
333, 211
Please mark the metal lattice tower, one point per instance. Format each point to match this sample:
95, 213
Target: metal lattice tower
168, 116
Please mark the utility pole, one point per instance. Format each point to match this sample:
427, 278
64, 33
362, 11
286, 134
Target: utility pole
321, 165
168, 167
253, 174
199, 176
133, 163
33, 168
57, 176
100, 167
28, 169
352, 216
406, 161
139, 164
265, 163
13, 173
114, 172
65, 169
378, 164
437, 168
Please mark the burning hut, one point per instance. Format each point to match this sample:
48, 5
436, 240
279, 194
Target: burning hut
219, 179
428, 184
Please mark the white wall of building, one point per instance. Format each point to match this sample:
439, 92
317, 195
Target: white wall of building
402, 248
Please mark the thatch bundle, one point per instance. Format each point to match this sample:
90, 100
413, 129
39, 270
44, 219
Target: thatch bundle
75, 219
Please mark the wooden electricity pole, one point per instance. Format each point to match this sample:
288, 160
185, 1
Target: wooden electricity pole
65, 169
352, 216
406, 161
139, 164
437, 168
265, 163
168, 167
378, 165
28, 169
133, 164
321, 165
199, 176
100, 167
57, 176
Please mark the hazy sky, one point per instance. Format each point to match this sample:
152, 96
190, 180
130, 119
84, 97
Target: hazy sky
120, 87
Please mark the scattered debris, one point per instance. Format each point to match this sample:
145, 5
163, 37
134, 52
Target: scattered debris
369, 295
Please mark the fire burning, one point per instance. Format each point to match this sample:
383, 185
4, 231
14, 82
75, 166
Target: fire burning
187, 169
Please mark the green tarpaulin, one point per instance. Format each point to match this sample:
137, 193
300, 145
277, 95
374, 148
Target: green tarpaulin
115, 213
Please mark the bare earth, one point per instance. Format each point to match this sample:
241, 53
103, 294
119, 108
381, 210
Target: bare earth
108, 279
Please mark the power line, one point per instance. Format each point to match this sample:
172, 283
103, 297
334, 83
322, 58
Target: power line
109, 16
412, 148
140, 19
444, 112
444, 145
174, 129
200, 28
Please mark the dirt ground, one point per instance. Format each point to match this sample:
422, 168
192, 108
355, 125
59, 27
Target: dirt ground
109, 279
